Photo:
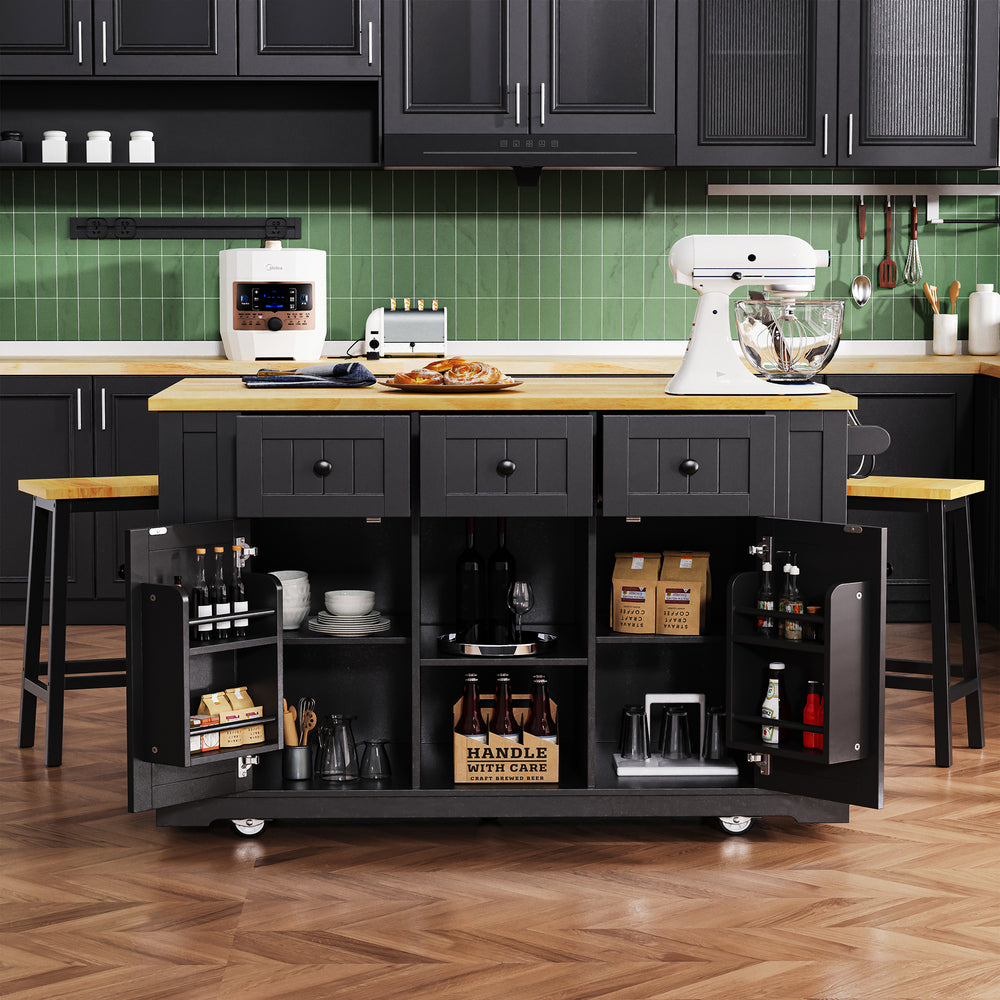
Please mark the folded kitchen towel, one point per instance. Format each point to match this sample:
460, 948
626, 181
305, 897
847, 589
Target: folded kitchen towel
345, 375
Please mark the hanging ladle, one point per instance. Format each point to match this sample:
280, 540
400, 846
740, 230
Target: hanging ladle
861, 287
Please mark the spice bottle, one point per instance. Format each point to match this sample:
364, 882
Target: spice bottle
11, 147
792, 604
141, 148
98, 147
765, 601
55, 149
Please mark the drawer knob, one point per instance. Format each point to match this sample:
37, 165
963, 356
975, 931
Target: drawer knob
505, 467
322, 468
688, 467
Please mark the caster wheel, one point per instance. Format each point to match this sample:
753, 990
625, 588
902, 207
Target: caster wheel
249, 827
736, 824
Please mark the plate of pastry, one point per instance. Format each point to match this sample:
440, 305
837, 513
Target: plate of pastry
452, 375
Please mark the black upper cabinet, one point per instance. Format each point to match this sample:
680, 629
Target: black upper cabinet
310, 37
861, 83
45, 38
529, 81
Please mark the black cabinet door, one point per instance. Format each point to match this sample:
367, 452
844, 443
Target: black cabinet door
125, 444
45, 38
455, 66
310, 38
165, 37
756, 83
918, 83
602, 66
45, 432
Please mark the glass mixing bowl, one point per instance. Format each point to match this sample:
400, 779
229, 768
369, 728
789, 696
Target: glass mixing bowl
789, 340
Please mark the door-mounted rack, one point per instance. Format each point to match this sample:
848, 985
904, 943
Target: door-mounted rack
932, 192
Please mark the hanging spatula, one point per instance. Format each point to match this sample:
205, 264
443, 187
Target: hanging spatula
887, 268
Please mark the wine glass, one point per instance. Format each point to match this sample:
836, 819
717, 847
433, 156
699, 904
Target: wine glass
520, 600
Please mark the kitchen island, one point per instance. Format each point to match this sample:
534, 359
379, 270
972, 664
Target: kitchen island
374, 489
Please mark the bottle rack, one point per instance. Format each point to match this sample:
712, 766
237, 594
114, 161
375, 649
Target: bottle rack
178, 669
837, 661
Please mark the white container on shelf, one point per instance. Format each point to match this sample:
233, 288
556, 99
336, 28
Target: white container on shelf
945, 333
98, 147
55, 149
141, 148
984, 321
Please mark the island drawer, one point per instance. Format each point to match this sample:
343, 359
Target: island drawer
720, 465
330, 465
531, 465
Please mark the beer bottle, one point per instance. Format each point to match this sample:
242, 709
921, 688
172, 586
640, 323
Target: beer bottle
470, 720
774, 702
220, 594
540, 722
238, 592
812, 715
201, 601
502, 722
765, 601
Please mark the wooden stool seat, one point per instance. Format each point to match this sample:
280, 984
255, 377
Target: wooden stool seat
53, 501
939, 500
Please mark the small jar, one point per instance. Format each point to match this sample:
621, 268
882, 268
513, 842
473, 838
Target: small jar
141, 148
55, 148
11, 147
98, 147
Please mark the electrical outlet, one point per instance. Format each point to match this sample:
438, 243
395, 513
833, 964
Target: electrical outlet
125, 228
96, 229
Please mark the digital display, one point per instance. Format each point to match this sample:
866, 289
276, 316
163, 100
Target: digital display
273, 297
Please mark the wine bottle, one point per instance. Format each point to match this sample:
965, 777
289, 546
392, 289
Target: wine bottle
220, 594
470, 719
500, 572
502, 721
470, 589
540, 722
238, 592
201, 601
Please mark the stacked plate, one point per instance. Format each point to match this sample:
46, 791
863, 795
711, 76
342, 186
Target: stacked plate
367, 624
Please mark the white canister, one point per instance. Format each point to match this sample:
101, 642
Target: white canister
945, 333
984, 321
141, 148
55, 149
98, 147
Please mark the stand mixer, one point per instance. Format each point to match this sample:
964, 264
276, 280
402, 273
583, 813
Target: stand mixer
787, 341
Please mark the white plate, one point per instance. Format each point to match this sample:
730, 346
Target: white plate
379, 626
325, 616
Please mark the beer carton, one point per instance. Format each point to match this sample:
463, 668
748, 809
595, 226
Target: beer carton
682, 593
633, 592
218, 704
533, 761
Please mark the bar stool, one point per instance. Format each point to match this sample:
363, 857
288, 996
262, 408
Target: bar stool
938, 499
53, 501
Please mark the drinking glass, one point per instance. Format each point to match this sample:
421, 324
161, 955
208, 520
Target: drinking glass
375, 761
520, 600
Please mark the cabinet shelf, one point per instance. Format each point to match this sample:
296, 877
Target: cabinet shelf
612, 638
804, 646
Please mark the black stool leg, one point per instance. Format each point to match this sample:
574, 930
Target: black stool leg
970, 635
940, 660
31, 662
57, 634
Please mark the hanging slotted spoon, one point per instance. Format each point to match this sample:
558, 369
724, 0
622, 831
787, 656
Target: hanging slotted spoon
861, 287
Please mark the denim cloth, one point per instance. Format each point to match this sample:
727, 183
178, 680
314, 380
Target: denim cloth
349, 375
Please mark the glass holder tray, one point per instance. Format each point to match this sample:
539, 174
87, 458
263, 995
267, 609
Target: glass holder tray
531, 643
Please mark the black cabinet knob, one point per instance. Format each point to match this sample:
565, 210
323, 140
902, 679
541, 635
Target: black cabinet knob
688, 467
121, 572
505, 467
323, 468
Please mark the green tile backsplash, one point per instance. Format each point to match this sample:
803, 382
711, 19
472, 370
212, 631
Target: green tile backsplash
582, 256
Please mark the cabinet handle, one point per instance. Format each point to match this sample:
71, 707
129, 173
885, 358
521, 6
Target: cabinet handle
104, 43
79, 43
517, 104
826, 134
79, 409
322, 468
104, 411
850, 135
370, 49
541, 108
505, 467
688, 467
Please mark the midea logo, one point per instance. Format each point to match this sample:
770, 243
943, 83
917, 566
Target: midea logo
274, 267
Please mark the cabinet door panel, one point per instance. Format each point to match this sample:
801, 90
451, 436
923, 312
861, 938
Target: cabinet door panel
165, 37
45, 38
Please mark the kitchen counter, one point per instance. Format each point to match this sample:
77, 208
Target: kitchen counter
536, 394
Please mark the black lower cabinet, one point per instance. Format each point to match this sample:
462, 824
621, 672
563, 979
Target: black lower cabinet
401, 684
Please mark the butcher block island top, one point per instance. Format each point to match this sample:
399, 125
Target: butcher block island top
546, 394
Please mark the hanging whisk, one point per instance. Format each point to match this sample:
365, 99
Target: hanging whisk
912, 271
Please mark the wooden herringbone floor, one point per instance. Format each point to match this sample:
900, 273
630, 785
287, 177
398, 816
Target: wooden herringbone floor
101, 905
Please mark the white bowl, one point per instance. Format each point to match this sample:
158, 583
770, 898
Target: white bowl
349, 602
293, 617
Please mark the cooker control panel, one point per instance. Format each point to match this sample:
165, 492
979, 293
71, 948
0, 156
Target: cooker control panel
273, 305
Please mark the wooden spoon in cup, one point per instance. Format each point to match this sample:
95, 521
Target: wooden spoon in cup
953, 294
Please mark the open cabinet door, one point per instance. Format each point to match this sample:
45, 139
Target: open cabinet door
168, 673
842, 570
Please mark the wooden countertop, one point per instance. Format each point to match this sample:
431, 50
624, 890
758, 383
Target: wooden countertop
546, 394
651, 365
